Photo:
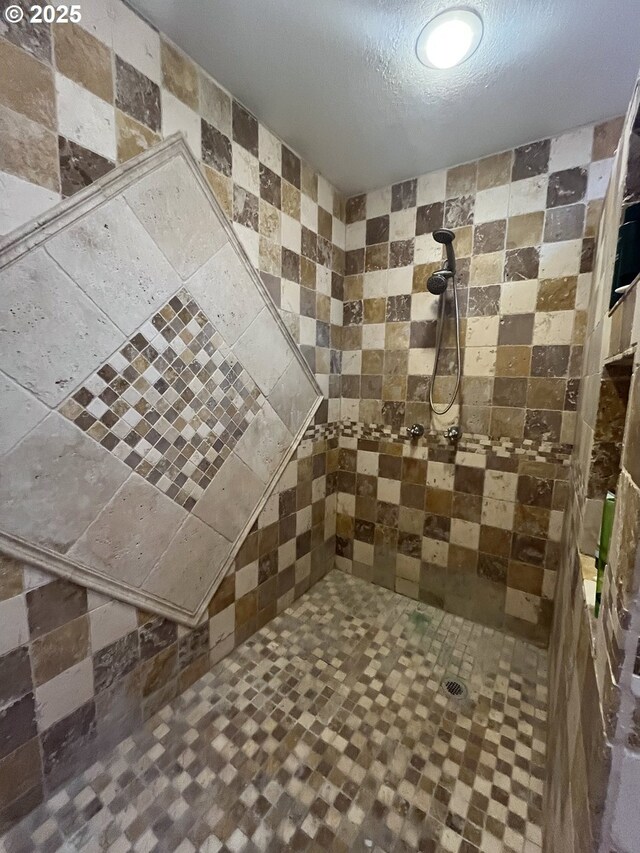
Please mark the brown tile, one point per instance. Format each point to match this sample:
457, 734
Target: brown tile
513, 361
521, 264
524, 577
53, 604
59, 649
17, 724
67, 746
531, 159
159, 670
290, 200
543, 425
34, 37
325, 223
377, 230
15, 676
79, 167
377, 257
132, 137
506, 422
245, 128
489, 237
469, 480
546, 393
290, 167
459, 211
495, 540
401, 253
403, 195
83, 59
179, 75
137, 96
557, 294
461, 180
531, 520
27, 85
429, 217
564, 223
20, 773
549, 360
495, 170
246, 212
606, 136
525, 230
535, 491
421, 273
567, 187
221, 188
516, 329
10, 577
216, 149
309, 185
509, 391
28, 150
356, 208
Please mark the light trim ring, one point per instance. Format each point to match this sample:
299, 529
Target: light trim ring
449, 39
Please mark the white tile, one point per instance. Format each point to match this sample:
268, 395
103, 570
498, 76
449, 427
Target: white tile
178, 117
264, 443
482, 331
356, 235
308, 212
191, 567
291, 233
21, 201
528, 195
325, 194
378, 202
225, 291
85, 118
97, 19
598, 180
571, 149
431, 187
230, 498
522, 605
20, 412
250, 241
373, 336
491, 204
57, 698
480, 361
424, 306
178, 216
464, 533
245, 169
500, 485
52, 336
519, 297
293, 397
107, 247
130, 534
402, 224
426, 250
560, 259
269, 149
137, 42
552, 327
264, 351
14, 628
221, 625
110, 622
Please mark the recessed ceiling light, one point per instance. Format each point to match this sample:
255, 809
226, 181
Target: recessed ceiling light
449, 38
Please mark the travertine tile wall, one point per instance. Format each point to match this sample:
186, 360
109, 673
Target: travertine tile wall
78, 671
594, 715
474, 529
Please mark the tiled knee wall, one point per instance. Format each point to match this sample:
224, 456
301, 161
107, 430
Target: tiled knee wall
78, 671
474, 528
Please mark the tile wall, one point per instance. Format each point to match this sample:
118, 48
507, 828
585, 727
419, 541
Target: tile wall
474, 529
594, 679
78, 671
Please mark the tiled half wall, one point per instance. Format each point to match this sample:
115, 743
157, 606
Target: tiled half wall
79, 670
474, 528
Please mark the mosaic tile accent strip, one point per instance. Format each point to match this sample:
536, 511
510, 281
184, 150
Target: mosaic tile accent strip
327, 730
473, 443
172, 403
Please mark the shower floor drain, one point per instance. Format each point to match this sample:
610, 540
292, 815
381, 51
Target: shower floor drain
455, 687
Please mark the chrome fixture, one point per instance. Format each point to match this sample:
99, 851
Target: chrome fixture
437, 284
453, 434
415, 431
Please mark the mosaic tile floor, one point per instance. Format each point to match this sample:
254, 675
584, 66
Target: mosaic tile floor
328, 730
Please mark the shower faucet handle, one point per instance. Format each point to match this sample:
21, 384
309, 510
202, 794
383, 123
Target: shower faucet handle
415, 431
453, 433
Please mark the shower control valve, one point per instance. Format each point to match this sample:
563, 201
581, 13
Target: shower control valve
453, 433
416, 431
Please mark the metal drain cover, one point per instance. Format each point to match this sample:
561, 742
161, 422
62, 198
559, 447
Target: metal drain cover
455, 687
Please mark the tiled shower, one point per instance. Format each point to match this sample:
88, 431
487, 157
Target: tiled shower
231, 585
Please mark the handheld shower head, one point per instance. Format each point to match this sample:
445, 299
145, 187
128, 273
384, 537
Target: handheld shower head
438, 282
446, 237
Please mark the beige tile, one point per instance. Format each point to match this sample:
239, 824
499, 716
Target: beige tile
28, 150
84, 59
606, 137
495, 170
525, 230
215, 105
221, 186
27, 85
179, 74
132, 137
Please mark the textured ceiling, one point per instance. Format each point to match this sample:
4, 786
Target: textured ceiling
339, 80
